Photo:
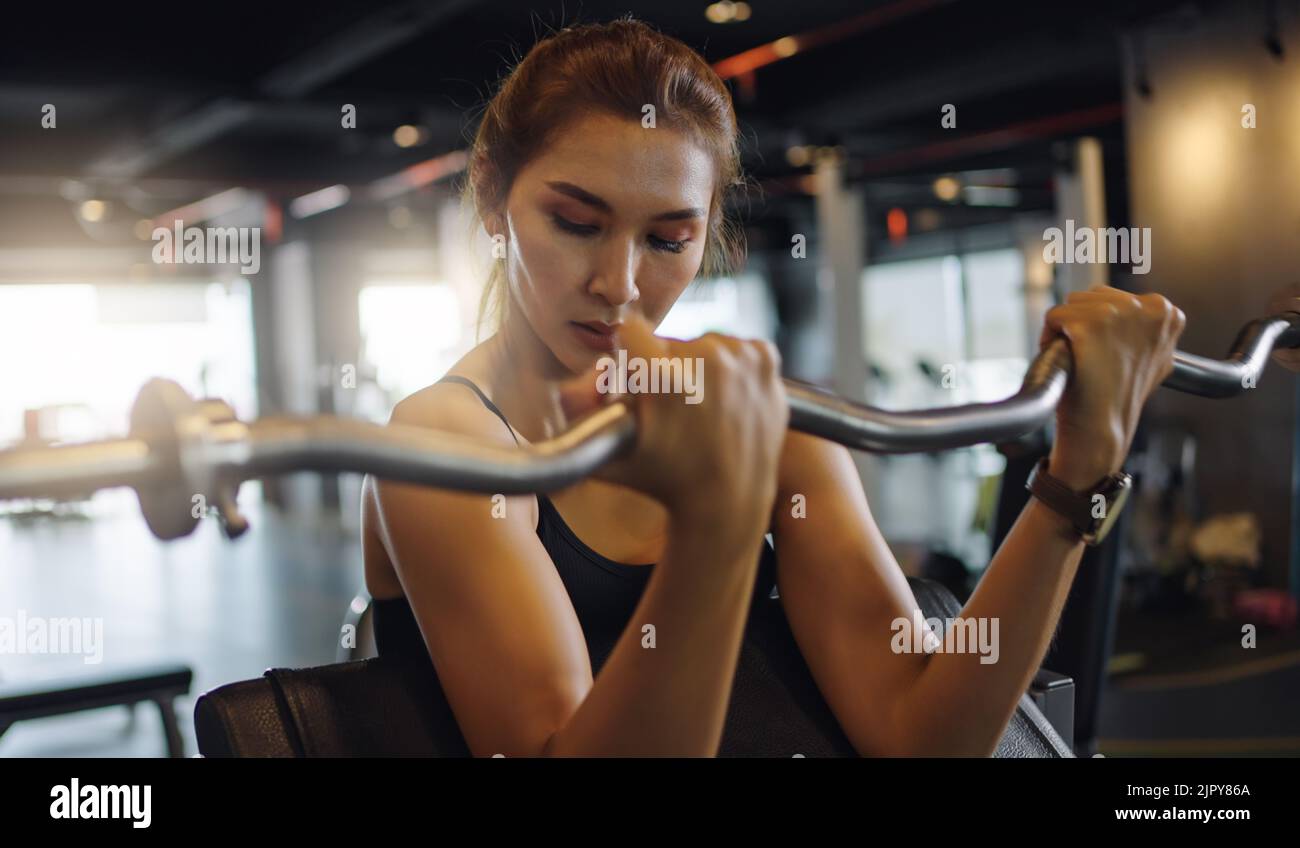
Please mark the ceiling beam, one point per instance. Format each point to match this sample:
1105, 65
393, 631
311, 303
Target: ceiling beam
296, 77
1006, 67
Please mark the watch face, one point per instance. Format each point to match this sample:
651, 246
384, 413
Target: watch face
1115, 500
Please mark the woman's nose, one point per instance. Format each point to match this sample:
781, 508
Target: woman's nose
615, 274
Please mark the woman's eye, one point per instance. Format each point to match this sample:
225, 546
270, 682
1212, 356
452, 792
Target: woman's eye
571, 227
588, 229
668, 246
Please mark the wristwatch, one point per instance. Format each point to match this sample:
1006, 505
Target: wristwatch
1092, 513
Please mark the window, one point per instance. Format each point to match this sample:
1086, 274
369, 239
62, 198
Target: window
944, 331
77, 355
411, 334
740, 306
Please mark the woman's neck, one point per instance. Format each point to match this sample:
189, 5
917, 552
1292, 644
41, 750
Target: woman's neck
522, 372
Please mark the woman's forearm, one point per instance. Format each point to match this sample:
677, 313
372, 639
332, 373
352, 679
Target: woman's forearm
1122, 347
958, 705
665, 687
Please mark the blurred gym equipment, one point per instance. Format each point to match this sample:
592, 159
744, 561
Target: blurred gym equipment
158, 684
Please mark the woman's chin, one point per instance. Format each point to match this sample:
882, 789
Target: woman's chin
574, 359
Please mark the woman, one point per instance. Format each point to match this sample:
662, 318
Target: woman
549, 631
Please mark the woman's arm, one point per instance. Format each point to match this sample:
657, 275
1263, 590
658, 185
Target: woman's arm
511, 655
669, 696
843, 591
498, 623
960, 703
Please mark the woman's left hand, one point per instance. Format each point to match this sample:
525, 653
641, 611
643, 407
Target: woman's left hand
1123, 346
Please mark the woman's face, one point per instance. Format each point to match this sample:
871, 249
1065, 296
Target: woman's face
608, 222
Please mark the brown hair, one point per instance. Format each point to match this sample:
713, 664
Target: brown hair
616, 68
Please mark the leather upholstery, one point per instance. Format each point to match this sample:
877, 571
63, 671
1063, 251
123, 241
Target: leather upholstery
244, 719
382, 707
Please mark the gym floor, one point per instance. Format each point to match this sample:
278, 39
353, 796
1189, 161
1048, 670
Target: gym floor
277, 596
1192, 692
229, 610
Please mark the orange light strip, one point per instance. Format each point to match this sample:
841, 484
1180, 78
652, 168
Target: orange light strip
419, 175
784, 48
995, 140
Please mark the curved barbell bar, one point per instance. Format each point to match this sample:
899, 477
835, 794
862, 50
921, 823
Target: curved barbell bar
180, 449
881, 431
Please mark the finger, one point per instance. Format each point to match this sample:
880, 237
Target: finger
1089, 311
1104, 294
582, 394
1051, 325
637, 337
1091, 293
1075, 321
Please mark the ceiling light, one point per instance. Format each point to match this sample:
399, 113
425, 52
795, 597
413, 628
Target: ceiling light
319, 201
92, 210
947, 188
409, 135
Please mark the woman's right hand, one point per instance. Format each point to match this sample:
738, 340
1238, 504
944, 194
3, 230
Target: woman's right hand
719, 454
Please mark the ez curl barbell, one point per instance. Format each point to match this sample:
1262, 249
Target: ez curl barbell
182, 454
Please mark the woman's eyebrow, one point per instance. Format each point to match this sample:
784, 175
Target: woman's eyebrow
584, 196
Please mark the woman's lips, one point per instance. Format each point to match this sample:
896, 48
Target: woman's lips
596, 337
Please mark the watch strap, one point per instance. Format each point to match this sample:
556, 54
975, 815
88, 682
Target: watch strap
1076, 507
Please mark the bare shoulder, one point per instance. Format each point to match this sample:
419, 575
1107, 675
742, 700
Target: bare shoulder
452, 407
455, 408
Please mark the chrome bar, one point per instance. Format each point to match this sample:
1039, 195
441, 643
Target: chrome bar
73, 470
1219, 378
211, 451
881, 431
418, 455
867, 428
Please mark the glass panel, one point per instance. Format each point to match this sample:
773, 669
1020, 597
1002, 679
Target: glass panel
943, 331
913, 329
995, 285
79, 354
410, 336
740, 306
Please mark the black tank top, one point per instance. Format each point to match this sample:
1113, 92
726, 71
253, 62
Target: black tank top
775, 707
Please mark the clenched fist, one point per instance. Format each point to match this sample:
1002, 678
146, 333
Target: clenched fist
1123, 348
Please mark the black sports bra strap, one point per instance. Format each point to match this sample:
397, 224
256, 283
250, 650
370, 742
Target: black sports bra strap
452, 378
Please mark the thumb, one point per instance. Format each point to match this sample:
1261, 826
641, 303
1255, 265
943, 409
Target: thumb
581, 395
1051, 328
592, 389
637, 337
